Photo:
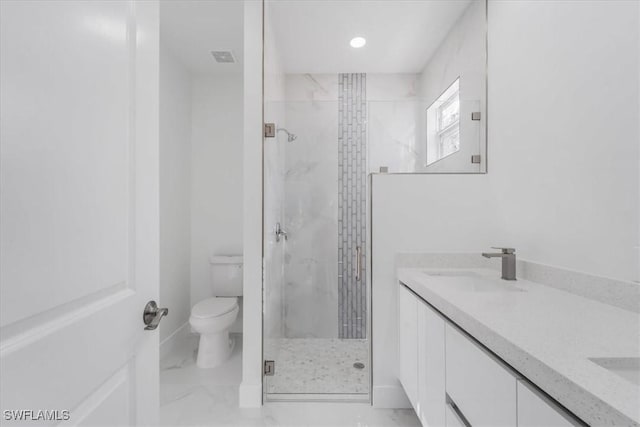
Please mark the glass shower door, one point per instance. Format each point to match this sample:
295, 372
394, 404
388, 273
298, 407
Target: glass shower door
317, 352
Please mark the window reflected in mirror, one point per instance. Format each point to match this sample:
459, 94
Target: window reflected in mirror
443, 124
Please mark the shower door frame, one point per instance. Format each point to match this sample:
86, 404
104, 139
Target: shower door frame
318, 397
307, 397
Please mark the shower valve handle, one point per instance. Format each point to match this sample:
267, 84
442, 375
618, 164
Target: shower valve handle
280, 232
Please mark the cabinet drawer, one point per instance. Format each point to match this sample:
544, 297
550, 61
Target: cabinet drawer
536, 410
482, 389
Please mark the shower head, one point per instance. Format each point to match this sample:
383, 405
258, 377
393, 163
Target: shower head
290, 136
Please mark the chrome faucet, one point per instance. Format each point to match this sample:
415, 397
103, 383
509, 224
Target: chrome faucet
508, 256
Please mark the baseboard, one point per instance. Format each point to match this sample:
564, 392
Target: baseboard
390, 397
250, 395
170, 342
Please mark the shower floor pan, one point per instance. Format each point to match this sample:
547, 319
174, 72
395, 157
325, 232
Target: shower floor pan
318, 369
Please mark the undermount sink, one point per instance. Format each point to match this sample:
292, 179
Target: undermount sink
625, 367
469, 281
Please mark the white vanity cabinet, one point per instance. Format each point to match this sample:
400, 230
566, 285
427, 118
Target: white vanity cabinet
408, 343
431, 366
422, 357
536, 410
453, 381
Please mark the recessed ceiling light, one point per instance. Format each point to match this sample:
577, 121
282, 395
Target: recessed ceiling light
358, 42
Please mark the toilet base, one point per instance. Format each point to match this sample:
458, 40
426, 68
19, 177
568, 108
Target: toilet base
214, 349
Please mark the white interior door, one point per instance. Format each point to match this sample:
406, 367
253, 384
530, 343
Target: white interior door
79, 210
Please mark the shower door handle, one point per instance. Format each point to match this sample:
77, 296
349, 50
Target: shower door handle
358, 263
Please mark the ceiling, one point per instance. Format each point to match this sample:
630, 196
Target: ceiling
312, 36
191, 29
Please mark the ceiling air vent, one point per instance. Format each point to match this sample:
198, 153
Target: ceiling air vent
223, 56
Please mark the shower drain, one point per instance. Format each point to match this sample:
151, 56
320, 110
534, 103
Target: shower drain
358, 365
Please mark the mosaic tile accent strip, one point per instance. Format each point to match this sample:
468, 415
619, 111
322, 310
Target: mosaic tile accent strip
352, 175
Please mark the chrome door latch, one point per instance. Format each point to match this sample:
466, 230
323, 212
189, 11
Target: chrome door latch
152, 315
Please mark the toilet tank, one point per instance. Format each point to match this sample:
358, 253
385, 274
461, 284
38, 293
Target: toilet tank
226, 275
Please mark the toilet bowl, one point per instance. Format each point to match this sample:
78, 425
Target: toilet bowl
212, 318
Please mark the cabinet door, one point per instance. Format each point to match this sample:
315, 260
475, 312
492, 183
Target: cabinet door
482, 389
431, 367
408, 343
535, 410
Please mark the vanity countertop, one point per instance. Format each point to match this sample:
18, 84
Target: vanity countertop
548, 335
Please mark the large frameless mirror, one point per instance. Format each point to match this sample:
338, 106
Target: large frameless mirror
439, 124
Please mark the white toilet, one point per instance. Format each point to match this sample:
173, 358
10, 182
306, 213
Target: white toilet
213, 317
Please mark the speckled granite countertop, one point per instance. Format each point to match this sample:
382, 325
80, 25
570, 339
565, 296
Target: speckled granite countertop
548, 335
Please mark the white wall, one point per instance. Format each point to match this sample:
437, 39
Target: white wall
563, 144
175, 191
216, 176
563, 132
418, 213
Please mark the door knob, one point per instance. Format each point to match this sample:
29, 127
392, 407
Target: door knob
152, 315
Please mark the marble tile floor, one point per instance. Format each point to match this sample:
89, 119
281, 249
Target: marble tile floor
190, 396
318, 366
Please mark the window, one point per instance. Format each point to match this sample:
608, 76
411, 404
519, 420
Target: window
443, 124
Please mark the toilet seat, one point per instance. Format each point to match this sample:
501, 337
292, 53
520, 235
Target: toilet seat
214, 307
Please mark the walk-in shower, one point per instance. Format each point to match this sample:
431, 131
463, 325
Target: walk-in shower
314, 327
353, 112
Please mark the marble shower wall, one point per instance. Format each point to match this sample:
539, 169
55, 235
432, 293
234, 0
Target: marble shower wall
305, 295
310, 208
393, 131
394, 123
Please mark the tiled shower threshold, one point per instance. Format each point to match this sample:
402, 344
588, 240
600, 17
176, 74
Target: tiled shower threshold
318, 369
